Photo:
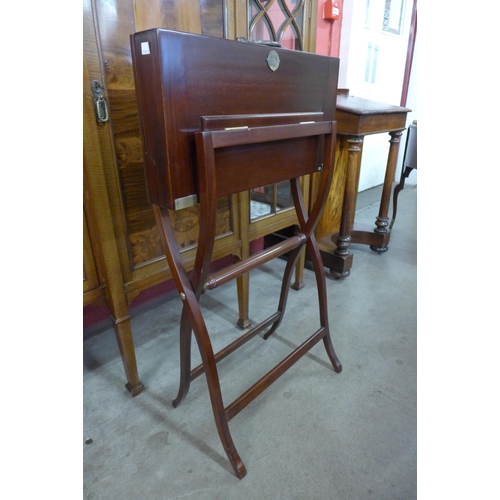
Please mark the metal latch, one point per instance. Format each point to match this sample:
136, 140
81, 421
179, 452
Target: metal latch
100, 104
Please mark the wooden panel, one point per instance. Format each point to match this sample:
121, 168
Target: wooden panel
203, 17
236, 20
148, 14
116, 20
100, 139
268, 163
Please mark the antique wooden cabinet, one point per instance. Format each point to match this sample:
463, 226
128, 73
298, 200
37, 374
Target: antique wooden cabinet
122, 250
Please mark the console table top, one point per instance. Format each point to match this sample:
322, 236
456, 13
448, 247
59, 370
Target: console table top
359, 116
361, 106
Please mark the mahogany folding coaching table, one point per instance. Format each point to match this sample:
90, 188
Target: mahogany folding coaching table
219, 117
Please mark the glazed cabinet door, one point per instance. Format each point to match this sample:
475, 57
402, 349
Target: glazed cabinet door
292, 23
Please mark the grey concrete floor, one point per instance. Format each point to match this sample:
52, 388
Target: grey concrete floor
313, 434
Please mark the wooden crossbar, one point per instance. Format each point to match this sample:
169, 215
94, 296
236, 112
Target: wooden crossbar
259, 258
248, 396
250, 334
257, 135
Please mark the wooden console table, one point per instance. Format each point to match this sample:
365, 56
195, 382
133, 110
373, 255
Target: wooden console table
356, 118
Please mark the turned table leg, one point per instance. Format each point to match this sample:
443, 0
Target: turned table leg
342, 262
382, 220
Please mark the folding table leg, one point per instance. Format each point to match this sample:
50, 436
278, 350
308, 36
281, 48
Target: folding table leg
193, 316
308, 225
285, 287
315, 256
185, 335
190, 290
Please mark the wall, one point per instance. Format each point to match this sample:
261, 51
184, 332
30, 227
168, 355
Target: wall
347, 15
328, 32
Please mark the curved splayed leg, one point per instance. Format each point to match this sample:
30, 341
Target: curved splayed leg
285, 287
185, 358
208, 206
315, 256
308, 225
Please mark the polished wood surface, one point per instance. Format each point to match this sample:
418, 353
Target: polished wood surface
333, 208
174, 68
358, 116
108, 25
228, 159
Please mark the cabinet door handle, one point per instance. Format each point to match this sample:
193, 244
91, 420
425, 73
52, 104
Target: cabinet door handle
100, 104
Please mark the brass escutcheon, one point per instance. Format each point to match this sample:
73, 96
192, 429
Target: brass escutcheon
273, 60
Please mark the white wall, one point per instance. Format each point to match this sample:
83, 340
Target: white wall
345, 38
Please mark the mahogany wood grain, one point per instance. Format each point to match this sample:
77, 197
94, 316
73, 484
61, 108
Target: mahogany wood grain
170, 123
358, 116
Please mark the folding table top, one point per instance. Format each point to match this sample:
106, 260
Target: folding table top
187, 83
